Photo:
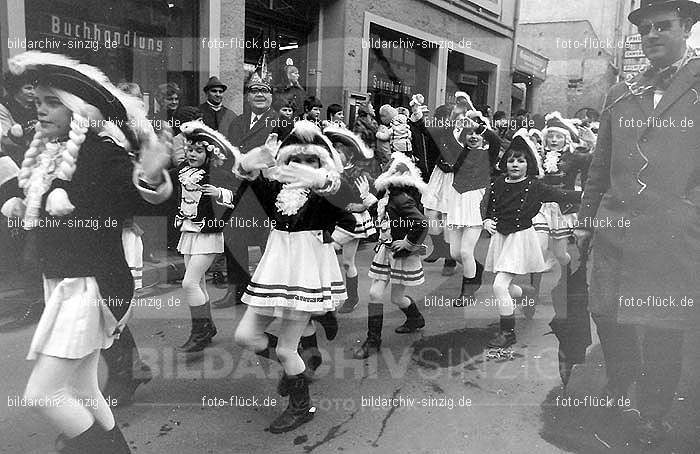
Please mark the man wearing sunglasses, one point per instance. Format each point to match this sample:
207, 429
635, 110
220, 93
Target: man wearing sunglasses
645, 180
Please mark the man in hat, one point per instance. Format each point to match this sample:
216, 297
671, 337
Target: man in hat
247, 131
216, 116
643, 194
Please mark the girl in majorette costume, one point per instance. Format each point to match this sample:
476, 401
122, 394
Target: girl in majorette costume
76, 187
397, 259
201, 220
472, 173
298, 275
561, 168
510, 204
356, 198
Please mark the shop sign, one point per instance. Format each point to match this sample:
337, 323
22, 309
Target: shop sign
107, 35
468, 79
531, 63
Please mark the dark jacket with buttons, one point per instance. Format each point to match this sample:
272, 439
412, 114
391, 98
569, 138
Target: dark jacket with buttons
318, 213
513, 205
406, 218
88, 241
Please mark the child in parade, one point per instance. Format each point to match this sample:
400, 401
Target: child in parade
562, 165
356, 198
76, 187
397, 260
510, 204
471, 176
298, 275
201, 220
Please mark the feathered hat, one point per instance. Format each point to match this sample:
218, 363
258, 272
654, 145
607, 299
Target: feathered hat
217, 146
261, 77
350, 140
555, 122
522, 142
307, 138
89, 84
401, 172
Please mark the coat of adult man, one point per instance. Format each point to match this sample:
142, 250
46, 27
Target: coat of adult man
214, 114
642, 199
247, 226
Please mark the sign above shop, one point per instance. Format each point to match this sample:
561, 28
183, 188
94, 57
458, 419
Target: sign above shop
468, 79
109, 36
531, 63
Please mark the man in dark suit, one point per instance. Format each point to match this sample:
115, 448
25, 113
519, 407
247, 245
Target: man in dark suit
247, 226
215, 115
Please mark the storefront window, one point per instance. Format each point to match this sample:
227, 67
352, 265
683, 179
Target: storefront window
282, 33
467, 74
140, 41
399, 66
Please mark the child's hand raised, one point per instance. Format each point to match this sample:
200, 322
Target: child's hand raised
362, 185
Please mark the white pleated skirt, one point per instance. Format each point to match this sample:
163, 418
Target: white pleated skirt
464, 210
516, 253
76, 320
363, 228
435, 197
406, 271
193, 243
559, 225
297, 273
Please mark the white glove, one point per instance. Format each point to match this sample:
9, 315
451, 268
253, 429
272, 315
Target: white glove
297, 175
258, 158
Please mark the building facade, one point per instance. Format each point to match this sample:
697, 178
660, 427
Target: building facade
345, 50
585, 45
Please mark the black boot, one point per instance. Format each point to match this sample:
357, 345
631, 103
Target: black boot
450, 267
440, 249
351, 303
375, 322
299, 409
471, 284
203, 329
93, 440
230, 299
115, 442
310, 352
414, 319
329, 323
126, 370
506, 336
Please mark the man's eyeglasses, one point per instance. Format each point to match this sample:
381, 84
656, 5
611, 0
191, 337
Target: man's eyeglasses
660, 26
255, 91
